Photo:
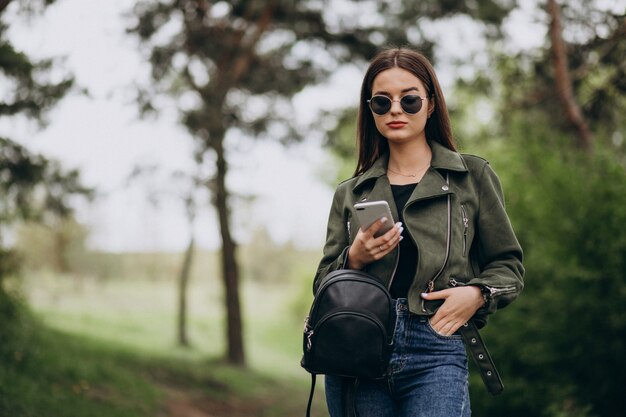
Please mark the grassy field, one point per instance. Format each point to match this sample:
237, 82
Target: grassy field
109, 343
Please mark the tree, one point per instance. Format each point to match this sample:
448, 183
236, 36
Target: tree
590, 52
186, 189
562, 77
234, 65
31, 186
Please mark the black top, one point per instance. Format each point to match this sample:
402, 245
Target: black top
408, 251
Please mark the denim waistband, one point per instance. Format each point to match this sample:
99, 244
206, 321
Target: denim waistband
402, 304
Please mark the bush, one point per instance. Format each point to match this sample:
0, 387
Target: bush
560, 347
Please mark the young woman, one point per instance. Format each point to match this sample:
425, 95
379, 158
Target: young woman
451, 256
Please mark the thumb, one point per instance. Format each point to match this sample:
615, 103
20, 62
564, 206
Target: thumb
435, 295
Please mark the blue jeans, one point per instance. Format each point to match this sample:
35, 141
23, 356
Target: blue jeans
427, 375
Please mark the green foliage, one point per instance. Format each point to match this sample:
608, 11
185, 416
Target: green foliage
343, 148
30, 96
31, 186
59, 246
264, 261
561, 345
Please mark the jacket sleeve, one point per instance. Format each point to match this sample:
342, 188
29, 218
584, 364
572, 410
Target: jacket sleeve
497, 252
336, 248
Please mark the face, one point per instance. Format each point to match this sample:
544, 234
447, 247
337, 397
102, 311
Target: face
397, 125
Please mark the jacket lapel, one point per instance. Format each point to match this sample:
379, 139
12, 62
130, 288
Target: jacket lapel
427, 222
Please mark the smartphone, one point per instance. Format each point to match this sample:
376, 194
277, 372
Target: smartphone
370, 211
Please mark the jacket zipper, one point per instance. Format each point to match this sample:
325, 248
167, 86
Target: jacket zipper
465, 228
499, 291
349, 232
395, 267
493, 291
431, 283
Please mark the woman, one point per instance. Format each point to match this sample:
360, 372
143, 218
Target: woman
451, 256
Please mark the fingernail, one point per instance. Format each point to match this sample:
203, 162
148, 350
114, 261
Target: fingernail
384, 220
424, 295
399, 224
401, 237
401, 230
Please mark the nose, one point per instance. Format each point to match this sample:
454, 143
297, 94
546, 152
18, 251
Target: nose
396, 108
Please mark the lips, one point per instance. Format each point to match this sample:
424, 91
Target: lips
396, 124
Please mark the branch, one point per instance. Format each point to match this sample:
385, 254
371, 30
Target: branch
563, 80
3, 5
242, 63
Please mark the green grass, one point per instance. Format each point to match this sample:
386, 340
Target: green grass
93, 347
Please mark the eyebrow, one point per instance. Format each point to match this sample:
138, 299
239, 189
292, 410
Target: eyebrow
406, 90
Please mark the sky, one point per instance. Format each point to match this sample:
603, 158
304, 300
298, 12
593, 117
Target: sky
102, 135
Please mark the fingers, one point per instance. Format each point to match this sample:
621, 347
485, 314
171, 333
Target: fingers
382, 245
390, 239
375, 227
366, 248
459, 306
436, 295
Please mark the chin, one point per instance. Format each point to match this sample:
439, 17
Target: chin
397, 137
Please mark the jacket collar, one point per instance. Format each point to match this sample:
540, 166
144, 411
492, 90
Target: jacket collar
443, 158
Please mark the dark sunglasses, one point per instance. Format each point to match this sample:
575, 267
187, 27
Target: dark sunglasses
380, 105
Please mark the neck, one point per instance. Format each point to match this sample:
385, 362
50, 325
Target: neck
410, 156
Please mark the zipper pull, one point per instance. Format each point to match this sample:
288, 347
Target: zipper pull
431, 286
309, 342
453, 282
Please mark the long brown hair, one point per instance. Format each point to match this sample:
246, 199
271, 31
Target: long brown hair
371, 144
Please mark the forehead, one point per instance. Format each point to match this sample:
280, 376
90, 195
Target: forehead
395, 80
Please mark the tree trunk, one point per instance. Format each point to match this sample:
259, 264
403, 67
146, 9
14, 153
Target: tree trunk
183, 280
563, 80
230, 270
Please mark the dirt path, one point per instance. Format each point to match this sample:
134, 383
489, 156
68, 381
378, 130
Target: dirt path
187, 403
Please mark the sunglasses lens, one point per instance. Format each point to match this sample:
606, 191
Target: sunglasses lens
380, 104
411, 103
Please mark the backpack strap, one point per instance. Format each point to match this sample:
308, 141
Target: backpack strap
308, 407
348, 396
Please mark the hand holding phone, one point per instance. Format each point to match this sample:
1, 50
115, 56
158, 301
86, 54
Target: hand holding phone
370, 211
370, 246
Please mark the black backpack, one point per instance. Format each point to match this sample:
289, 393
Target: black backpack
349, 329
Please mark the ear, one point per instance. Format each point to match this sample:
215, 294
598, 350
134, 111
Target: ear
431, 106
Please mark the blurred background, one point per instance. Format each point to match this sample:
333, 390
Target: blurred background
167, 169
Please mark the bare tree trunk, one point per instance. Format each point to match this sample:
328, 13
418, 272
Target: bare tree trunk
61, 243
183, 282
563, 80
230, 270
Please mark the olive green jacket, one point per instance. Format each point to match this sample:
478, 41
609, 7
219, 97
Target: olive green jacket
457, 219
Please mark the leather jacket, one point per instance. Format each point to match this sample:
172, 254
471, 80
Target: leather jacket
457, 219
